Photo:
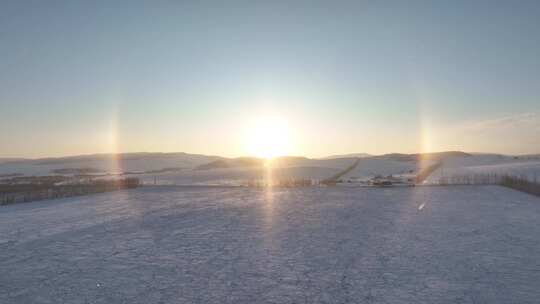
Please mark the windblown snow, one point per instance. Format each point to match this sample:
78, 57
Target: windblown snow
459, 244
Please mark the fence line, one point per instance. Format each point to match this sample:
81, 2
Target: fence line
521, 184
518, 182
21, 193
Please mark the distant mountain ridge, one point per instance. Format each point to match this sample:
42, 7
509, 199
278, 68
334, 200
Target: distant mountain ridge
423, 156
4, 160
116, 157
111, 163
350, 155
223, 163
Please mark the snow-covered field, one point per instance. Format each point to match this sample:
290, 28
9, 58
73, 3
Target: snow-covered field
371, 167
107, 163
235, 176
528, 168
186, 172
301, 245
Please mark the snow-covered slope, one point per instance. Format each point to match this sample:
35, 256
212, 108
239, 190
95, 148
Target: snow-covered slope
182, 168
236, 176
351, 155
528, 167
278, 169
108, 163
371, 167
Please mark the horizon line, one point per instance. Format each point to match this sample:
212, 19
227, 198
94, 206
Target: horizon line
15, 158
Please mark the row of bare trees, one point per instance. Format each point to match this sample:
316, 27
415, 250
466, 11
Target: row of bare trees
471, 179
20, 193
521, 183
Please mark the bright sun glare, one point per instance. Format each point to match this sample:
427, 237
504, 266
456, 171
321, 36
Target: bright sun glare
267, 137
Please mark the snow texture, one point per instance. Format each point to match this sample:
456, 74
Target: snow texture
463, 244
236, 176
371, 167
488, 164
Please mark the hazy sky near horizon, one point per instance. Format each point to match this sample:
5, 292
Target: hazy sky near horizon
79, 77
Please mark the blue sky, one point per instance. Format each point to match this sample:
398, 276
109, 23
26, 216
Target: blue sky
81, 77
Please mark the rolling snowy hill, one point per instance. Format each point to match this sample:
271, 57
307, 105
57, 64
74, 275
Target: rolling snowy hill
484, 164
184, 168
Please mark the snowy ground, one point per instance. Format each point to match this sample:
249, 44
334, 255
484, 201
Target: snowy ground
370, 167
236, 176
303, 245
488, 164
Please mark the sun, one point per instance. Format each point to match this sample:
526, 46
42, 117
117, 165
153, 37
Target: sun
267, 137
